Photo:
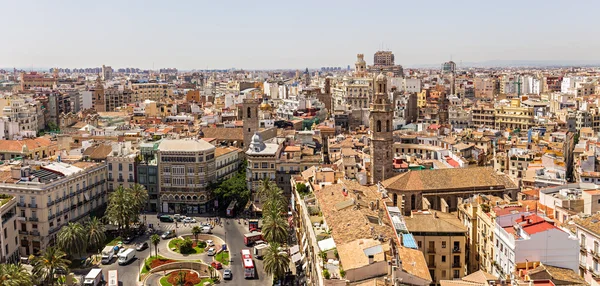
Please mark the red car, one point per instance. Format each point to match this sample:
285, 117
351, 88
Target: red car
216, 265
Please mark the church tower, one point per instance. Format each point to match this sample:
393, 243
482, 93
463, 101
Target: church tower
380, 124
249, 116
360, 67
98, 98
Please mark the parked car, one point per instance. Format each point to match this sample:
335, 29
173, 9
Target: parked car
168, 234
141, 246
158, 215
227, 274
216, 265
166, 218
211, 251
210, 243
128, 240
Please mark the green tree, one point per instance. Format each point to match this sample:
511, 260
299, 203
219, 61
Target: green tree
46, 265
195, 231
301, 188
234, 188
119, 210
96, 233
139, 196
186, 246
155, 239
73, 239
275, 227
276, 262
14, 275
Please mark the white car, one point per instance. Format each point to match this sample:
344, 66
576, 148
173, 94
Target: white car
227, 274
210, 243
211, 251
189, 220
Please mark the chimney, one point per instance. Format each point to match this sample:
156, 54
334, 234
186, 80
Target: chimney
371, 259
522, 217
15, 172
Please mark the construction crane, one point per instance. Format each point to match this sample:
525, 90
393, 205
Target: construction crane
518, 84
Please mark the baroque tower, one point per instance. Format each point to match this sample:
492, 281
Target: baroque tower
249, 116
98, 98
360, 67
380, 124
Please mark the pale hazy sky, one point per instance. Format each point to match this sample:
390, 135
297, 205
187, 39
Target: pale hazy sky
291, 34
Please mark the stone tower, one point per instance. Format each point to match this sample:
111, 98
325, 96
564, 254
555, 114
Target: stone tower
380, 124
250, 118
98, 99
360, 67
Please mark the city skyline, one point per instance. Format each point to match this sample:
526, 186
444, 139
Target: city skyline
271, 35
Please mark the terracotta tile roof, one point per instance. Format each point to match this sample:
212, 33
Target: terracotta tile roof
351, 223
292, 149
560, 276
591, 223
480, 277
16, 146
220, 151
413, 262
449, 179
427, 222
221, 133
98, 152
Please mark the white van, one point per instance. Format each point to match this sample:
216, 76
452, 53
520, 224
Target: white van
126, 256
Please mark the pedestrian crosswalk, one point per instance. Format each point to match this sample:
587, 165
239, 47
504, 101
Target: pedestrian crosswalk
171, 226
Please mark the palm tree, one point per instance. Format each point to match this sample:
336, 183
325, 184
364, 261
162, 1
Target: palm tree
14, 275
72, 239
275, 227
276, 262
195, 231
120, 208
139, 197
45, 266
155, 239
95, 233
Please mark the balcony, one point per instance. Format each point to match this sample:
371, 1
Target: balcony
34, 232
33, 219
131, 180
456, 265
24, 232
582, 248
51, 217
595, 254
32, 206
73, 207
431, 264
50, 203
71, 195
456, 250
120, 180
21, 205
431, 250
79, 204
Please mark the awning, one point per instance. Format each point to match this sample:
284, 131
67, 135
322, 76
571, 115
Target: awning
296, 257
294, 249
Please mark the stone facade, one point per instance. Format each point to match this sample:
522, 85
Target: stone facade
380, 123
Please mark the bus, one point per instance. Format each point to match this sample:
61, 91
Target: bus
113, 278
247, 263
231, 208
251, 237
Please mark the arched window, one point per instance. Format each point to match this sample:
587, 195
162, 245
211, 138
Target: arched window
248, 112
378, 125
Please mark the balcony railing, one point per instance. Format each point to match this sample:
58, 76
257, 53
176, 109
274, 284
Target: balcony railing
33, 219
120, 180
50, 203
51, 217
431, 264
32, 205
595, 254
131, 180
431, 250
23, 232
582, 248
456, 265
21, 204
456, 250
34, 232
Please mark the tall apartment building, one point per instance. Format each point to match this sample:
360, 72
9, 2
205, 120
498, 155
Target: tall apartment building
513, 117
262, 159
227, 162
384, 62
49, 195
21, 115
122, 164
107, 72
484, 88
482, 116
442, 239
33, 79
147, 173
186, 167
9, 238
152, 91
588, 232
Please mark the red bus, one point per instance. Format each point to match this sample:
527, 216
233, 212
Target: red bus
251, 237
247, 263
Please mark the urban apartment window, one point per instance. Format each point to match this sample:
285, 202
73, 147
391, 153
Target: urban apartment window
110, 167
5, 234
443, 244
190, 170
22, 199
443, 258
167, 169
456, 274
130, 167
120, 167
264, 165
131, 177
256, 165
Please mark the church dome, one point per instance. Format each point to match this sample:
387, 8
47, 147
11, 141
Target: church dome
381, 78
256, 139
265, 106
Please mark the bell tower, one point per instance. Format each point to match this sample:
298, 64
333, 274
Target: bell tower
360, 67
380, 124
98, 98
249, 116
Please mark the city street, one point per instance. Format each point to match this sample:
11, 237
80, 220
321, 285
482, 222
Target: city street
232, 233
